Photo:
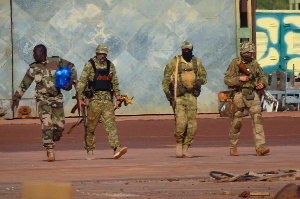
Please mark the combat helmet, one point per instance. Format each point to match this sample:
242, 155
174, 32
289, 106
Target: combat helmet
102, 48
186, 44
247, 46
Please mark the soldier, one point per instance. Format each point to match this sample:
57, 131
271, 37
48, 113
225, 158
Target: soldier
99, 83
245, 97
49, 97
187, 73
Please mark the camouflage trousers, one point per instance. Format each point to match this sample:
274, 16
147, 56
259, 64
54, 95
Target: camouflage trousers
253, 106
186, 123
51, 114
104, 110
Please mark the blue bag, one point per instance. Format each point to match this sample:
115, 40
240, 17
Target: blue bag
62, 77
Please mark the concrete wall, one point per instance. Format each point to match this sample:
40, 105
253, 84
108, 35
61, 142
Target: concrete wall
142, 36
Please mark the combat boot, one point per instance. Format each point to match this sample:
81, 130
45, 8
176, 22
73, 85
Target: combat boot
90, 155
233, 151
118, 152
262, 151
186, 153
179, 153
50, 155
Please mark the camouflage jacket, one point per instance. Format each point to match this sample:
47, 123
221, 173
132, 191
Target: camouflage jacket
44, 76
233, 74
188, 76
88, 74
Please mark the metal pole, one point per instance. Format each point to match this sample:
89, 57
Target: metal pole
285, 106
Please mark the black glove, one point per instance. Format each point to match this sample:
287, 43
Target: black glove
15, 104
168, 96
198, 83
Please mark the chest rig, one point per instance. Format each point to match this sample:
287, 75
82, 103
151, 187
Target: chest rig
195, 68
102, 79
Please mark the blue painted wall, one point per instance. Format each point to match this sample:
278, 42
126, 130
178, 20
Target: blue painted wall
142, 37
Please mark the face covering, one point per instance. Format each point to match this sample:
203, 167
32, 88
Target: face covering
187, 56
247, 58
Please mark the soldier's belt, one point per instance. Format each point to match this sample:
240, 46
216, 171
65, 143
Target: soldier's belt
190, 90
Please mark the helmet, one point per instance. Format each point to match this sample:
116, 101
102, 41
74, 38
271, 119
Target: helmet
247, 46
186, 44
102, 48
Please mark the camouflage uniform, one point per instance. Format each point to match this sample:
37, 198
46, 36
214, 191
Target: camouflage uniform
242, 90
186, 105
100, 105
49, 98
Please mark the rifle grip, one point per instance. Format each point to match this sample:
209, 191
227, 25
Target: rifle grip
243, 68
262, 91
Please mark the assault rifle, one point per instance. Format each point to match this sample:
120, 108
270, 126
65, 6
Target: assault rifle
80, 120
172, 99
254, 79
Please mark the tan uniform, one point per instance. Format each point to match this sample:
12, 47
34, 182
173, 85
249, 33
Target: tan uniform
242, 100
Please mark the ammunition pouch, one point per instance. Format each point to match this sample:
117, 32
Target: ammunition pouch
181, 89
198, 84
197, 88
196, 92
250, 96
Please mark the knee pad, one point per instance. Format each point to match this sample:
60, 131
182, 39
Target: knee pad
238, 114
257, 118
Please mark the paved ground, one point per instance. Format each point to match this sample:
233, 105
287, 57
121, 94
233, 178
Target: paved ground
149, 169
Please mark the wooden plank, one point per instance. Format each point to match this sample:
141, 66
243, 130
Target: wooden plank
47, 190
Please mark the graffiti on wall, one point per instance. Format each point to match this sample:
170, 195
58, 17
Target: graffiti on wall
278, 40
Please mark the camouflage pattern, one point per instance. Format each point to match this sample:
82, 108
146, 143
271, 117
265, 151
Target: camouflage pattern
188, 77
49, 97
100, 106
186, 44
44, 76
231, 79
102, 48
233, 73
186, 105
186, 110
51, 114
88, 74
247, 46
104, 110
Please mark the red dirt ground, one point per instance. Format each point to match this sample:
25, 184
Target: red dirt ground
149, 169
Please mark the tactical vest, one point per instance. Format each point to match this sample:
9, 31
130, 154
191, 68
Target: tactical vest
102, 79
187, 78
195, 68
